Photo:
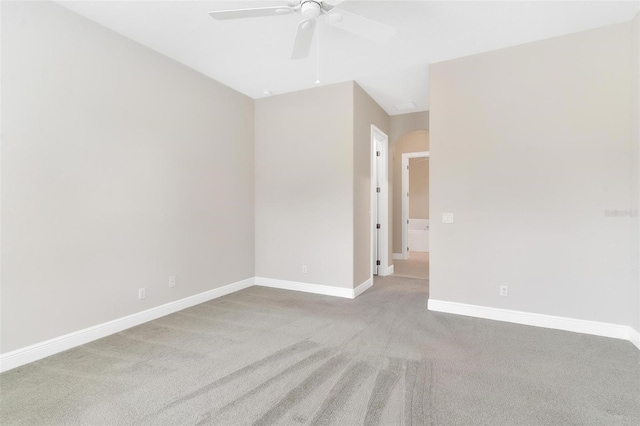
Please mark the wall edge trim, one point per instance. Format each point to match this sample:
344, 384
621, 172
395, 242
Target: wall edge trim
595, 328
363, 287
37, 351
305, 287
634, 337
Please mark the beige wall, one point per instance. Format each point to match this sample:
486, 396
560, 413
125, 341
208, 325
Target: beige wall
305, 186
402, 124
366, 113
529, 146
418, 188
414, 141
120, 168
313, 185
635, 134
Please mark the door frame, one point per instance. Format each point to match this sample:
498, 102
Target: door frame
383, 218
405, 198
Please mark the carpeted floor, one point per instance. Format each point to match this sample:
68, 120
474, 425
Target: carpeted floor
266, 356
416, 266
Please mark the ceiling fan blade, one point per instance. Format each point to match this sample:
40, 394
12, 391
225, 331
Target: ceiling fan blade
360, 26
250, 13
304, 36
327, 5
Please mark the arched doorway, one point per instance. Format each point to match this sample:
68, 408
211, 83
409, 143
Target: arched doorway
411, 219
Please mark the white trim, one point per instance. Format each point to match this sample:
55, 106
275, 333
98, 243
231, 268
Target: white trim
634, 337
325, 290
306, 287
390, 270
399, 256
405, 199
53, 346
378, 135
363, 287
538, 320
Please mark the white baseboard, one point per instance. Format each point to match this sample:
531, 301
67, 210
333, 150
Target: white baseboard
399, 256
634, 337
538, 320
362, 287
53, 346
390, 270
326, 290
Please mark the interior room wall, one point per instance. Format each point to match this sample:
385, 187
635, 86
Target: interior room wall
120, 167
402, 124
544, 152
366, 112
418, 188
414, 141
305, 186
635, 135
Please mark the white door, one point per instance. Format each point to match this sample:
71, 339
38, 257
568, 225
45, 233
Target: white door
379, 200
377, 211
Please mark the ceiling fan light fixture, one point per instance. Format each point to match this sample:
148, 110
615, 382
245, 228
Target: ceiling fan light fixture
310, 9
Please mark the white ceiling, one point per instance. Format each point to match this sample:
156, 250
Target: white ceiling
252, 55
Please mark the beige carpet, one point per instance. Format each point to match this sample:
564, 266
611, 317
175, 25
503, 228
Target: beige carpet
266, 356
416, 266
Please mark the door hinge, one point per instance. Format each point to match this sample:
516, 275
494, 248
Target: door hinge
407, 167
407, 221
377, 226
407, 194
407, 248
378, 262
377, 153
378, 189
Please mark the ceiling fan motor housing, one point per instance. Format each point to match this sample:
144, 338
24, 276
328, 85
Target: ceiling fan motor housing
310, 9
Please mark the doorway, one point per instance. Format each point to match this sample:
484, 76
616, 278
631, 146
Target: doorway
379, 203
414, 259
415, 221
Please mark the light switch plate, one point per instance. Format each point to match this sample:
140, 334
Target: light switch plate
447, 217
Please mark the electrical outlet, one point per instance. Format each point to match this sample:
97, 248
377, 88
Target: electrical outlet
142, 293
504, 290
304, 269
172, 281
447, 218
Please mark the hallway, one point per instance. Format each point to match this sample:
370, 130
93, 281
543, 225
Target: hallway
417, 266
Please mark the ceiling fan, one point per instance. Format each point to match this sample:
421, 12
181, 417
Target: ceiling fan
311, 12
